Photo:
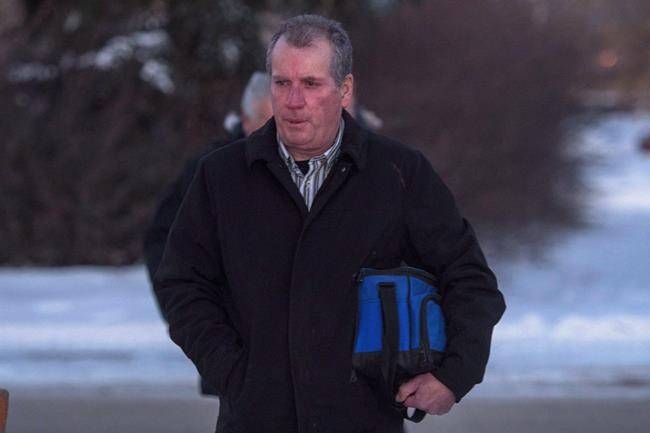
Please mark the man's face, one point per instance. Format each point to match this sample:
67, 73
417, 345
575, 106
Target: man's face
306, 100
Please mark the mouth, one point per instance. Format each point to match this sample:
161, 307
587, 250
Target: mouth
294, 122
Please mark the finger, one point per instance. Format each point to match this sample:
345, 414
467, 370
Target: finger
437, 408
406, 390
412, 401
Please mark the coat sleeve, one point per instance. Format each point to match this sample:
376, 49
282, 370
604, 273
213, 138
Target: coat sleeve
444, 243
191, 287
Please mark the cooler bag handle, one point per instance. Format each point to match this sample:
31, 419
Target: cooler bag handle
419, 414
424, 328
390, 345
390, 332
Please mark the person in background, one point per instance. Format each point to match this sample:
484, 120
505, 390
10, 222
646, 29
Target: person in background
365, 118
257, 279
255, 108
255, 111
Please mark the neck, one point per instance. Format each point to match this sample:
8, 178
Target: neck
303, 154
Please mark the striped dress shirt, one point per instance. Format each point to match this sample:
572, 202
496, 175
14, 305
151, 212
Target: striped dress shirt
319, 167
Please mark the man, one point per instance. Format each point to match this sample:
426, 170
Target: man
257, 279
255, 111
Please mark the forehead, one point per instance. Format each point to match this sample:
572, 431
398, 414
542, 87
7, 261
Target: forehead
289, 60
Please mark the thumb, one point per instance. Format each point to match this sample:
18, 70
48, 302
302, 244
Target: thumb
407, 389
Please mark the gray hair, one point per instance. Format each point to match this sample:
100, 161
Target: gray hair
257, 88
303, 30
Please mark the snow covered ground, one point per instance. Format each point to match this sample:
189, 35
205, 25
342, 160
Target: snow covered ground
578, 320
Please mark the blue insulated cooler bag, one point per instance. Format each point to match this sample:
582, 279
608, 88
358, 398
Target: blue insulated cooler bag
400, 330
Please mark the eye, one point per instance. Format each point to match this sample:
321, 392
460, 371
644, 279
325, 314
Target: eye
281, 83
311, 83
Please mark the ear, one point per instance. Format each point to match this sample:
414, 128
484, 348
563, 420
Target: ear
246, 124
347, 90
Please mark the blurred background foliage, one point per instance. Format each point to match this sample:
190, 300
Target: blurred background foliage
103, 101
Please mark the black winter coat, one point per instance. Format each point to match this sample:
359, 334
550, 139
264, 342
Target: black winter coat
259, 291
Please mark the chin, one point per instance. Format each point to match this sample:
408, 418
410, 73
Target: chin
295, 140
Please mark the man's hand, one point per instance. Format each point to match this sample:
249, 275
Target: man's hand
426, 393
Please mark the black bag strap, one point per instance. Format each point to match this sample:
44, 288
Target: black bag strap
390, 333
424, 329
417, 416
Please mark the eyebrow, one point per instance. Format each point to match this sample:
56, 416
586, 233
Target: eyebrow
307, 78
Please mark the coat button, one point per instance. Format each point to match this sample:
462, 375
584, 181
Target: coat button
344, 169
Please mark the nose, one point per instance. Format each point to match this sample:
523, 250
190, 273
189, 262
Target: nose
295, 98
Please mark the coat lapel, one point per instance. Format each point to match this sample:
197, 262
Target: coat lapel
281, 173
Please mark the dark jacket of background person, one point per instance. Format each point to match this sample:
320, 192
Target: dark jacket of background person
156, 235
259, 292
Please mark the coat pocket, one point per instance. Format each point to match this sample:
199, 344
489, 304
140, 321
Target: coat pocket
236, 380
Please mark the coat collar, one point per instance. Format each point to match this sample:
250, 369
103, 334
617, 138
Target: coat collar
262, 144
